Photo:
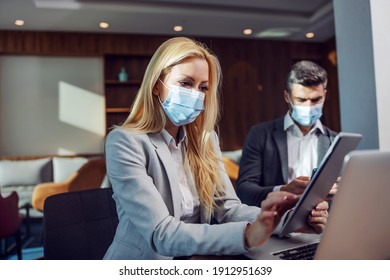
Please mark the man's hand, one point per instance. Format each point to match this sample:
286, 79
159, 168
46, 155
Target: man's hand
333, 190
296, 186
317, 219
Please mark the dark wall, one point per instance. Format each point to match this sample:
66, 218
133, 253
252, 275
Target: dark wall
254, 71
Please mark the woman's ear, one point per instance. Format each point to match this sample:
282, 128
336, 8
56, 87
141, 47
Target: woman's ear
156, 90
157, 87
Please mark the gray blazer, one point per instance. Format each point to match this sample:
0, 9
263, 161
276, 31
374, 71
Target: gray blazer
264, 161
148, 200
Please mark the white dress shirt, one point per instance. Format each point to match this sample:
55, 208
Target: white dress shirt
190, 200
302, 149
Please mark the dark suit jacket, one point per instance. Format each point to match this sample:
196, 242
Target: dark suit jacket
264, 162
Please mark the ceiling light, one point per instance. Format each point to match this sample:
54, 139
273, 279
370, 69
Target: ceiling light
309, 35
277, 32
19, 22
58, 4
104, 25
178, 28
247, 31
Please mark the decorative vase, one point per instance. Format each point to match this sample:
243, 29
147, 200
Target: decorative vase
122, 75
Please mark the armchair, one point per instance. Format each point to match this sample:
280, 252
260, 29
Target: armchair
89, 176
11, 220
79, 225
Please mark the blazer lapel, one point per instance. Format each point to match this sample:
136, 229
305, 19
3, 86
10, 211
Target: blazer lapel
323, 145
165, 157
281, 143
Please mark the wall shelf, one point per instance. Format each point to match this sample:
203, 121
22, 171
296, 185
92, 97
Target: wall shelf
118, 83
120, 94
117, 110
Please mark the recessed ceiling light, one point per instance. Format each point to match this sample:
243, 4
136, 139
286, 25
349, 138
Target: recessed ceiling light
19, 22
178, 28
277, 32
247, 31
310, 35
104, 25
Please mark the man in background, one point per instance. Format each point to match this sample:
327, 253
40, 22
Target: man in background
281, 154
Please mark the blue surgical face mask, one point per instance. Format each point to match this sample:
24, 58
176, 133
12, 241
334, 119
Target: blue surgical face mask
306, 115
183, 105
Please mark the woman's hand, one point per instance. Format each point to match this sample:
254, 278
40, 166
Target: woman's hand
272, 209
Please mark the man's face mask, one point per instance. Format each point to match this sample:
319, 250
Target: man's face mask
306, 115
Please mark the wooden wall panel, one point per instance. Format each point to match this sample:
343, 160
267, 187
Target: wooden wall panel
83, 44
254, 70
254, 81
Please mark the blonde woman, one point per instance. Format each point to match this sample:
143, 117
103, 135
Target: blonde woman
164, 164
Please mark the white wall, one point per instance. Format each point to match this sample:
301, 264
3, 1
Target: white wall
381, 44
357, 93
363, 62
51, 105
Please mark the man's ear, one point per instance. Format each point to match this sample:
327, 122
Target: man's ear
286, 97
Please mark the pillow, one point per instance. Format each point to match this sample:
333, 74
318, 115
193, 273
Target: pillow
63, 168
105, 183
233, 155
24, 172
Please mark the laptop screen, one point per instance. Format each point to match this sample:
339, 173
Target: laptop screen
359, 225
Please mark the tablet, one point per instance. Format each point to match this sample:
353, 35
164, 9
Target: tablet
322, 181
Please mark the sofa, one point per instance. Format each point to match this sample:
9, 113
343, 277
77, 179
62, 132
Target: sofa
23, 173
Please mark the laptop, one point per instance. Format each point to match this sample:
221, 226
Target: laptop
358, 226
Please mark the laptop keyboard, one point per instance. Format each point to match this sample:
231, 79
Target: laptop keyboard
305, 252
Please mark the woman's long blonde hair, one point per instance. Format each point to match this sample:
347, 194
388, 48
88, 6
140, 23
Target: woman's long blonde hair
147, 115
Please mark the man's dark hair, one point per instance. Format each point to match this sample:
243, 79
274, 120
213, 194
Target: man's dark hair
307, 74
